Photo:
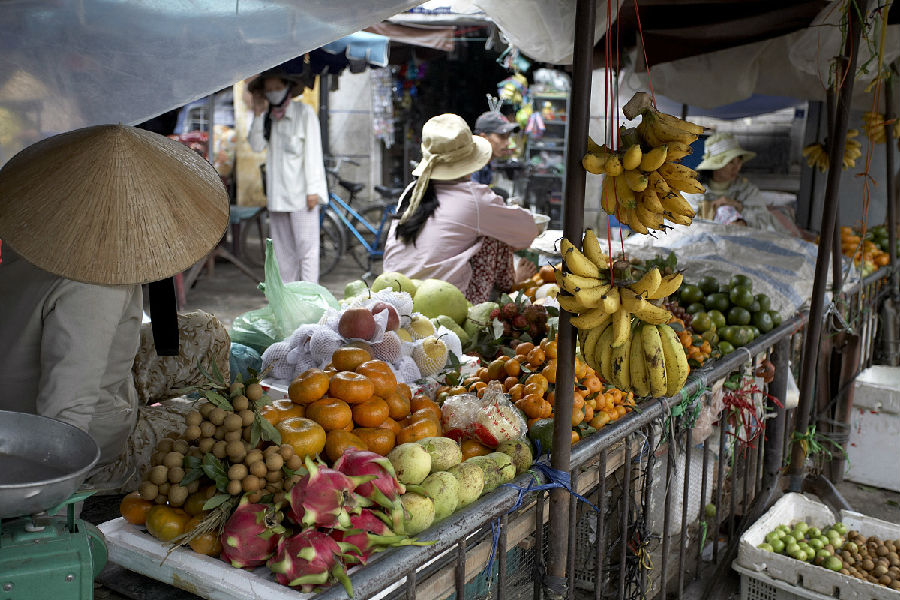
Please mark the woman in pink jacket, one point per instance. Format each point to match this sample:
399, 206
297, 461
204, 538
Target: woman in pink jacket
451, 228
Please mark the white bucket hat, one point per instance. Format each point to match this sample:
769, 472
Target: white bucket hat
449, 151
719, 150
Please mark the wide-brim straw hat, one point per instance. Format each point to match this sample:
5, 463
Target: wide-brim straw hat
298, 82
448, 143
111, 205
719, 150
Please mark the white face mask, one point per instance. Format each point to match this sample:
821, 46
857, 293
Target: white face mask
277, 97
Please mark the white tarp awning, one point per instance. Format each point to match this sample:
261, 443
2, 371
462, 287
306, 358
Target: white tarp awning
66, 64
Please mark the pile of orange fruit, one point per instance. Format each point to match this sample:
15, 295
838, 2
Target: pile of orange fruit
529, 377
529, 287
862, 251
354, 401
699, 351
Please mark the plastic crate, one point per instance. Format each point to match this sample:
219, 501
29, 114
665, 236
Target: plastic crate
756, 586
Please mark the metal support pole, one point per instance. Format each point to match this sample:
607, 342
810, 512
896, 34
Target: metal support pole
573, 220
836, 266
890, 188
774, 448
324, 114
829, 214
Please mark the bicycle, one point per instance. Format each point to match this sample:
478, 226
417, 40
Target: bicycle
367, 227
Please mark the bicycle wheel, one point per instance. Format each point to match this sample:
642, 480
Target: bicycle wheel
331, 241
372, 215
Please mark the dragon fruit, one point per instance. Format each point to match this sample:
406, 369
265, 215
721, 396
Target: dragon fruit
250, 535
324, 497
370, 534
384, 489
310, 559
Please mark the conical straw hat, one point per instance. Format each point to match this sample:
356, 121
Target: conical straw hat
111, 204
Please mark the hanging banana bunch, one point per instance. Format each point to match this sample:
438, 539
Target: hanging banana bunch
816, 154
644, 183
622, 331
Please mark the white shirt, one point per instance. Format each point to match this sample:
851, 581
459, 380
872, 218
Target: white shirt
66, 351
294, 163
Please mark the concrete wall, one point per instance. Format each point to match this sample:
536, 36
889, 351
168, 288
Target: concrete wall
351, 136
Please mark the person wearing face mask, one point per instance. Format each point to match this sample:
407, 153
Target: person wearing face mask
295, 172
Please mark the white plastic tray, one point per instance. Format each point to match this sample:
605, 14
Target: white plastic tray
792, 508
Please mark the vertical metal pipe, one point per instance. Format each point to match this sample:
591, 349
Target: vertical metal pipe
889, 114
573, 220
538, 545
601, 528
626, 492
573, 528
734, 472
829, 212
714, 534
702, 516
836, 272
411, 585
325, 114
501, 559
685, 500
460, 572
667, 505
647, 470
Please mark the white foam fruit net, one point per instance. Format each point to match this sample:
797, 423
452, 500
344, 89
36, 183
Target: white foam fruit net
311, 346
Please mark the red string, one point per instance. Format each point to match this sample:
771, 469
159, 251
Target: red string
644, 48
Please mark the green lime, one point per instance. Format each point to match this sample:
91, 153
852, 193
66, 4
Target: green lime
742, 336
754, 307
738, 316
709, 285
717, 301
741, 295
763, 321
728, 348
701, 322
727, 332
737, 280
754, 332
711, 336
691, 293
766, 547
765, 303
717, 317
694, 307
834, 563
823, 554
776, 318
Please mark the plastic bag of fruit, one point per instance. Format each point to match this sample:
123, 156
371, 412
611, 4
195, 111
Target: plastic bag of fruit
491, 419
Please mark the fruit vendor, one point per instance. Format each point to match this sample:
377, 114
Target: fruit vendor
295, 172
496, 129
87, 217
730, 198
451, 228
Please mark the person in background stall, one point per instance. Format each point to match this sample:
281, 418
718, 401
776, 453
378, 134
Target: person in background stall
496, 129
86, 217
731, 198
295, 172
449, 227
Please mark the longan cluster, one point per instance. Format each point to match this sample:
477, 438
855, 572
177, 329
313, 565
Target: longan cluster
872, 560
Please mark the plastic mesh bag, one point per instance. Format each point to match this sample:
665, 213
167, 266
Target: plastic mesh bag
276, 356
451, 340
491, 419
323, 343
406, 370
390, 349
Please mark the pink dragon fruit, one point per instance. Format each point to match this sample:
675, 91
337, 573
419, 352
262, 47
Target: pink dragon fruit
250, 535
310, 559
384, 489
323, 497
370, 534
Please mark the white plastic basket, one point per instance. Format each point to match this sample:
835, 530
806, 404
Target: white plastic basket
756, 586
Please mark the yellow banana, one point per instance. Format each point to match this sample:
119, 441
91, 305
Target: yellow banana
676, 362
632, 157
650, 200
613, 166
624, 195
596, 317
595, 148
679, 123
635, 180
653, 358
612, 300
602, 352
677, 151
678, 219
628, 217
608, 195
593, 251
620, 358
668, 286
663, 131
653, 159
571, 304
577, 262
589, 344
593, 297
572, 282
647, 284
643, 310
593, 164
640, 379
658, 184
621, 326
690, 186
672, 170
649, 219
649, 136
676, 203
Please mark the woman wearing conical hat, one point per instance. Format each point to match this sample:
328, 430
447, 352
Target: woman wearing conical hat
86, 217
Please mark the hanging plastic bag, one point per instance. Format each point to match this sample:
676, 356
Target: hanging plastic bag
256, 329
491, 419
295, 303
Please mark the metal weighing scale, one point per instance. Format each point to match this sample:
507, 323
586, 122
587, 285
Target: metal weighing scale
44, 554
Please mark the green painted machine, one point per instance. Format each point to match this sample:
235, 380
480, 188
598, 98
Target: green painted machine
45, 554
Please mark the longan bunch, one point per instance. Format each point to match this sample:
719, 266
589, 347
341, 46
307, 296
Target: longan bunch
162, 481
872, 560
260, 472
